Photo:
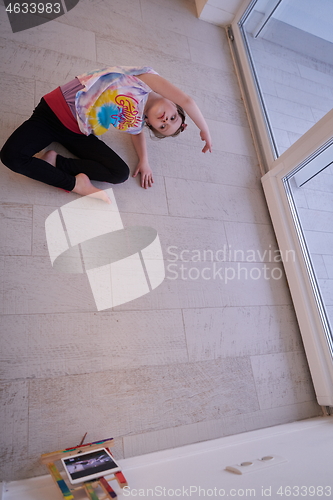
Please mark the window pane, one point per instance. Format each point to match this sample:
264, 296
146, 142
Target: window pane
309, 189
290, 44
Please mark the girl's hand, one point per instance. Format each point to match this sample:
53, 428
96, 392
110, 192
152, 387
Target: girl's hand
146, 174
205, 136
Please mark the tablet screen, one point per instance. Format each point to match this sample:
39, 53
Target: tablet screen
89, 465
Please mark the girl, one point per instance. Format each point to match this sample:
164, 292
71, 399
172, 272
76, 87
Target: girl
74, 114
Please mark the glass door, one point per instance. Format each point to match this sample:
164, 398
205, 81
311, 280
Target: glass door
288, 45
283, 53
301, 208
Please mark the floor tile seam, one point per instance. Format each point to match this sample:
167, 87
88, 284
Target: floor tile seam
196, 218
254, 383
181, 217
148, 309
246, 157
218, 185
117, 369
93, 312
218, 152
250, 306
229, 261
123, 211
185, 335
143, 368
211, 218
214, 183
12, 254
257, 187
223, 307
230, 120
281, 304
15, 204
122, 311
166, 198
44, 257
225, 262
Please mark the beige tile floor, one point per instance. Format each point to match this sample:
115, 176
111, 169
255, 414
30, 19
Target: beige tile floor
199, 357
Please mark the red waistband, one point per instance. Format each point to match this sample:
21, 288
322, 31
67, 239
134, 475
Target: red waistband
60, 108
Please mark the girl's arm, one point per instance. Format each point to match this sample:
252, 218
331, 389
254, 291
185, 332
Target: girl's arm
169, 91
139, 143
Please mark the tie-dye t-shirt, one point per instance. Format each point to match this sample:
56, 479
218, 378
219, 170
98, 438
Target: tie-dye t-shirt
112, 96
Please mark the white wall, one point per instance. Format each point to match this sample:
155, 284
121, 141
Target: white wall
220, 12
306, 445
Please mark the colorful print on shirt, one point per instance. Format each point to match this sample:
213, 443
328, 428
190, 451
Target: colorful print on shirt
119, 110
113, 96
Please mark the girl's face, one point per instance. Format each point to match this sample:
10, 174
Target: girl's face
164, 117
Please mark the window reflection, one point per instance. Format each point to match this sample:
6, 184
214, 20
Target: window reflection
291, 47
310, 192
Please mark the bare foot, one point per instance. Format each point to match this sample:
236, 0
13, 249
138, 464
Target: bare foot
84, 187
50, 157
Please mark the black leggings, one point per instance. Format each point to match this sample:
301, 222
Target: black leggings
97, 160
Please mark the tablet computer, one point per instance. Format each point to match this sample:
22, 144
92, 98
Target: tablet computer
90, 465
